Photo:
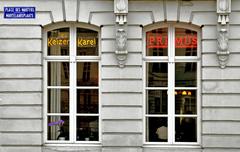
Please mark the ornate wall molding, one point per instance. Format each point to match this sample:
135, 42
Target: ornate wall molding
121, 44
223, 11
121, 10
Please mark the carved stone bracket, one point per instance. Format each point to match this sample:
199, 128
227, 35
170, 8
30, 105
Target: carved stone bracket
121, 45
223, 52
223, 11
121, 10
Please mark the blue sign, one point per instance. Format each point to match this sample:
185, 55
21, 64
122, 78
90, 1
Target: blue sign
19, 12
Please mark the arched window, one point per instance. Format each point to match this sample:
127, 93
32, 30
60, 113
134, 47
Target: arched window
71, 61
172, 63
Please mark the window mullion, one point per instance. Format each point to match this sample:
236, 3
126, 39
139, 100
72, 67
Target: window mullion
170, 85
72, 84
171, 101
171, 43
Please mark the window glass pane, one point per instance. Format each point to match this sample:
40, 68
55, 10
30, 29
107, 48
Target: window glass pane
186, 129
185, 42
157, 42
58, 101
87, 74
185, 102
87, 128
157, 74
58, 128
186, 74
58, 73
87, 42
157, 102
87, 101
157, 129
58, 42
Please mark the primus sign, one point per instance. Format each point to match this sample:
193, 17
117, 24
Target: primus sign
155, 40
81, 42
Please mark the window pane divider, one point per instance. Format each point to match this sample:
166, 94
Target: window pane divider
156, 88
186, 58
156, 115
58, 114
87, 114
87, 87
88, 58
155, 58
57, 58
186, 88
58, 87
183, 115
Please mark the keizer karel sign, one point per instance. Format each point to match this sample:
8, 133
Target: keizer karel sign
81, 42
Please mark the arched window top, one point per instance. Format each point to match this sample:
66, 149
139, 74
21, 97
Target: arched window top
173, 24
70, 25
84, 39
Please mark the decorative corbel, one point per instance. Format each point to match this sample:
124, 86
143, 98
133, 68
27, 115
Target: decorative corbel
121, 43
223, 11
121, 10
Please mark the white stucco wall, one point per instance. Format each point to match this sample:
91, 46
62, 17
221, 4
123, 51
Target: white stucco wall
21, 77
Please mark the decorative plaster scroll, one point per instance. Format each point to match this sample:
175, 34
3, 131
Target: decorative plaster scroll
121, 44
223, 10
121, 10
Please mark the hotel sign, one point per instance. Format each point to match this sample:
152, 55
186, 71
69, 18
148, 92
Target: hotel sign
155, 40
19, 12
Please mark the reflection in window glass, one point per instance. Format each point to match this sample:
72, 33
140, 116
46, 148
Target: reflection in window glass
157, 129
157, 42
87, 74
58, 128
58, 73
87, 101
186, 129
186, 74
185, 42
87, 42
157, 74
87, 128
58, 101
157, 102
185, 102
58, 42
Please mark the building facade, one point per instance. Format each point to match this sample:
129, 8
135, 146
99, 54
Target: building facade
119, 75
